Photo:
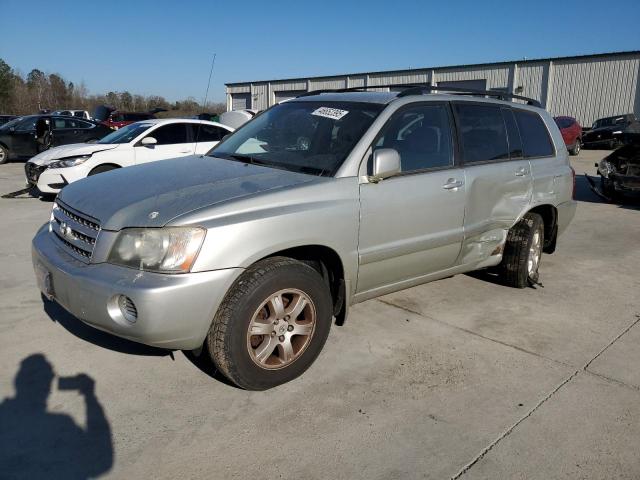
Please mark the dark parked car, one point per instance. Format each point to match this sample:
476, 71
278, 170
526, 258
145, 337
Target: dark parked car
620, 173
571, 133
24, 137
612, 132
6, 118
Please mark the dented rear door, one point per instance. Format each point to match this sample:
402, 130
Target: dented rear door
498, 179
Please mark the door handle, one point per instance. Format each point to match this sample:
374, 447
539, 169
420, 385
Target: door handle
452, 184
184, 151
521, 172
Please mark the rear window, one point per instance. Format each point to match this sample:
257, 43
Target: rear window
563, 122
535, 137
483, 133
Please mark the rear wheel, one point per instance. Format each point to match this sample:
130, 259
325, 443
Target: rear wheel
523, 251
102, 169
271, 325
576, 147
4, 155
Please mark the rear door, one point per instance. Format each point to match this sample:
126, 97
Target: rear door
65, 131
411, 224
205, 136
498, 177
173, 141
539, 150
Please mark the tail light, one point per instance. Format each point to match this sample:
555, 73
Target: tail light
573, 177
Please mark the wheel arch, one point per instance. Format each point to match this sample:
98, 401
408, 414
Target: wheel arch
106, 164
329, 264
549, 214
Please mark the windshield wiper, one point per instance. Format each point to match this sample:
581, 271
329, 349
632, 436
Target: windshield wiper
248, 159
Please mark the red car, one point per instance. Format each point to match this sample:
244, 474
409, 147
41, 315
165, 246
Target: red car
571, 133
120, 119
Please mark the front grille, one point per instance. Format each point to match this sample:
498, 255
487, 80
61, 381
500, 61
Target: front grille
33, 172
75, 231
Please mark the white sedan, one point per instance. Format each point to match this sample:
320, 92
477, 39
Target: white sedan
140, 142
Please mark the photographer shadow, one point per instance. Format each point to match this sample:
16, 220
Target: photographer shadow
36, 443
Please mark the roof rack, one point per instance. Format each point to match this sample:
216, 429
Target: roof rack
409, 89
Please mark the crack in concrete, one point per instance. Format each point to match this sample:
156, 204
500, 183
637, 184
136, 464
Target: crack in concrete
488, 448
613, 380
570, 377
476, 334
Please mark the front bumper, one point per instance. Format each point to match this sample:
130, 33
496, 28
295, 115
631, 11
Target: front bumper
173, 311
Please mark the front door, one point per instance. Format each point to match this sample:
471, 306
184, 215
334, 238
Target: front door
172, 142
411, 224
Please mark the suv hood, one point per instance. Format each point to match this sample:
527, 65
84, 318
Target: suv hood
151, 195
73, 150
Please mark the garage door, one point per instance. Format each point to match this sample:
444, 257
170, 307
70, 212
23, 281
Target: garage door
280, 96
240, 101
470, 84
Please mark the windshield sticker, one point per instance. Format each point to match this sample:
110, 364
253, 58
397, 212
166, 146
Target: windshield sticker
333, 113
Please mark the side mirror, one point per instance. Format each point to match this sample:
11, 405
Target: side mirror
225, 137
12, 129
386, 163
148, 142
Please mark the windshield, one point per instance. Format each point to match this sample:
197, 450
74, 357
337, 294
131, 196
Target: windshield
610, 121
308, 137
21, 123
126, 134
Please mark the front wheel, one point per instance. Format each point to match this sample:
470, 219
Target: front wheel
522, 251
271, 325
4, 155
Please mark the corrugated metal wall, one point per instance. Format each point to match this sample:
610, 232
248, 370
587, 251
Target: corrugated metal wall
588, 91
327, 83
496, 77
586, 88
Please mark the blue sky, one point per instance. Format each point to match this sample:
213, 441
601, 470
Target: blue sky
165, 47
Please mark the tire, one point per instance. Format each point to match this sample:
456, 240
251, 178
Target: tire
102, 169
4, 155
252, 303
576, 148
523, 251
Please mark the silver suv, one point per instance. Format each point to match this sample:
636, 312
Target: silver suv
246, 254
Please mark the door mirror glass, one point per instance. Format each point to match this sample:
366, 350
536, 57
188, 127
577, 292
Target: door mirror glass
148, 141
386, 163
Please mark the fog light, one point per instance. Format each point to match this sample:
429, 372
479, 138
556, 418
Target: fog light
127, 308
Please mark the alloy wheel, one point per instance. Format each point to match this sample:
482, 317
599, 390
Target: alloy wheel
535, 251
281, 329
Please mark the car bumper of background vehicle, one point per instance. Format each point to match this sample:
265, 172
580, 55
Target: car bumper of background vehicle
162, 310
566, 212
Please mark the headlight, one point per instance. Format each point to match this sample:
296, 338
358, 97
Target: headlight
169, 249
69, 161
605, 168
617, 132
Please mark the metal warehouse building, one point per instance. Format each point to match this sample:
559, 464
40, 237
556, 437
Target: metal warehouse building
586, 87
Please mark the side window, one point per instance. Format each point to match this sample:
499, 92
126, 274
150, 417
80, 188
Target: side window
60, 123
170, 134
482, 132
206, 133
535, 137
422, 137
81, 124
513, 136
